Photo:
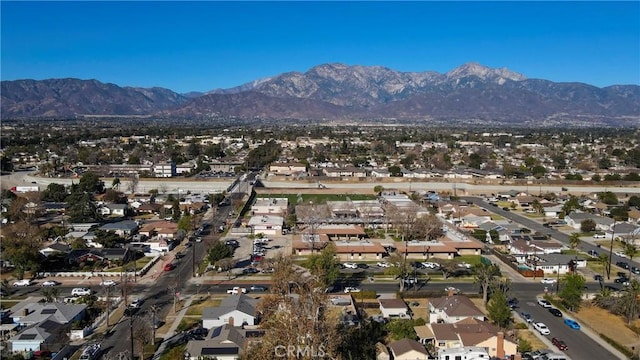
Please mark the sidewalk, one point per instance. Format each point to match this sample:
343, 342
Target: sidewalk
172, 329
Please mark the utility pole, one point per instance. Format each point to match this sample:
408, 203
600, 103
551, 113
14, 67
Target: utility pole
108, 306
131, 333
613, 236
558, 280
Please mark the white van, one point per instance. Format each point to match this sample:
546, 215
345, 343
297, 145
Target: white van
554, 356
80, 291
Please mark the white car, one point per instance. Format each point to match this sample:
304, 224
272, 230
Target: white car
430, 265
107, 283
621, 254
548, 281
135, 303
542, 328
23, 282
350, 289
383, 264
50, 283
452, 289
544, 303
80, 291
350, 265
599, 236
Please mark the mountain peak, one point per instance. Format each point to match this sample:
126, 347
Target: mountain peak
484, 72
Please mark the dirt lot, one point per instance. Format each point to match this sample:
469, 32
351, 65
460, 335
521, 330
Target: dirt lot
616, 328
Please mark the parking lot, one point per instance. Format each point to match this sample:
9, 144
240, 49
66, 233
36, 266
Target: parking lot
255, 253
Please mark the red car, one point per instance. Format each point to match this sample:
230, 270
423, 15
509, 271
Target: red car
559, 344
169, 267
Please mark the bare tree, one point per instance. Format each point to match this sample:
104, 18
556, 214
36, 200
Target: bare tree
133, 183
141, 333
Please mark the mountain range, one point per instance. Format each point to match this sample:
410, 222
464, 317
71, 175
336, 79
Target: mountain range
469, 93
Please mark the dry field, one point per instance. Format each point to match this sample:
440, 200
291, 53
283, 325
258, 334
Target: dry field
615, 328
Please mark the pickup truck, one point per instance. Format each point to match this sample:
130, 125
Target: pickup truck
237, 290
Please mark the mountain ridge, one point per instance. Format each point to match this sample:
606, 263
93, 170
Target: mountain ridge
338, 91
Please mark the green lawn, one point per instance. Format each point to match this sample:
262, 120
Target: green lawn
318, 198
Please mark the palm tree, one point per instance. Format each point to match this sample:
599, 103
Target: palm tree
630, 250
628, 304
116, 183
574, 240
604, 260
485, 276
604, 298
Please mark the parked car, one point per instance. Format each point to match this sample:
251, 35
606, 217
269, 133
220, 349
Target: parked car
236, 290
555, 312
599, 236
179, 255
80, 291
23, 282
544, 303
108, 283
232, 242
526, 316
541, 328
50, 283
258, 288
431, 265
598, 277
622, 255
623, 265
548, 281
350, 265
593, 253
169, 267
621, 280
559, 344
136, 303
635, 270
250, 270
572, 324
351, 289
383, 264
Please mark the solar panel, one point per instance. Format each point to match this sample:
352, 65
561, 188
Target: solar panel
48, 311
27, 336
216, 332
219, 351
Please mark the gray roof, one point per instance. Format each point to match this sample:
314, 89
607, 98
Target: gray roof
38, 312
554, 259
127, 225
38, 332
625, 228
223, 340
242, 303
579, 217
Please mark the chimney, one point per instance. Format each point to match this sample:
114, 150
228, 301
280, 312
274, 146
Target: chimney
500, 346
25, 312
231, 320
450, 293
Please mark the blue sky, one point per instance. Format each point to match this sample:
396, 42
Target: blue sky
200, 46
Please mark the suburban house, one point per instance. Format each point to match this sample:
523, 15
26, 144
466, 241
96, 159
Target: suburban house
307, 244
124, 228
556, 263
525, 249
46, 335
236, 310
472, 332
55, 248
394, 308
575, 219
160, 228
424, 250
113, 210
453, 308
407, 349
464, 353
30, 313
224, 342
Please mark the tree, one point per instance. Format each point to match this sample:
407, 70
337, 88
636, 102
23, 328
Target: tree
498, 308
427, 227
631, 250
604, 260
115, 184
54, 192
537, 206
587, 225
524, 346
293, 315
399, 268
604, 299
360, 342
628, 304
91, 183
219, 251
572, 204
141, 333
185, 223
572, 291
404, 328
324, 265
574, 240
608, 197
50, 293
634, 201
485, 276
395, 171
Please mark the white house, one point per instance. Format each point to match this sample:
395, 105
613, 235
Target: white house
266, 224
464, 353
394, 308
236, 310
453, 308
